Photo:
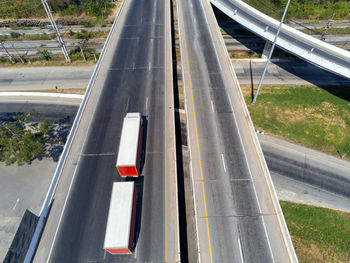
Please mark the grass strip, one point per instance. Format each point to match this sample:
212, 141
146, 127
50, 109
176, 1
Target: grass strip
54, 61
331, 31
14, 36
318, 234
315, 117
301, 9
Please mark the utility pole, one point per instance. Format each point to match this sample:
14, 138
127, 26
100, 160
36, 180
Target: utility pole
58, 34
6, 51
272, 48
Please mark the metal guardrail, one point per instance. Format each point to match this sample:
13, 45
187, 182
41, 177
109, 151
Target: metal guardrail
48, 199
315, 51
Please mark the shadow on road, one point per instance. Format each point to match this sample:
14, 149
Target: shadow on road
335, 84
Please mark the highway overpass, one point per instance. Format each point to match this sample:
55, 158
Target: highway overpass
238, 217
306, 47
134, 74
286, 161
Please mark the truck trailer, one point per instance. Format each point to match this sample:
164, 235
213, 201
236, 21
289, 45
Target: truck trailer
119, 237
129, 154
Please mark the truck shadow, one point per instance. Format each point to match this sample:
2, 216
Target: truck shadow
139, 182
139, 187
144, 142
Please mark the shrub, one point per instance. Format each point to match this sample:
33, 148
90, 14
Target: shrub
15, 35
44, 54
22, 140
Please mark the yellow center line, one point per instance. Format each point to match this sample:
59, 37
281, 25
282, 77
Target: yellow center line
165, 132
199, 152
303, 153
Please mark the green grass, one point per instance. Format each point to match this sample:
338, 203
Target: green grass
318, 234
34, 8
244, 54
21, 37
315, 117
302, 9
331, 31
56, 60
86, 35
70, 35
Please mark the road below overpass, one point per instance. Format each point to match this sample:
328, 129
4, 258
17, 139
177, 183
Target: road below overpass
135, 76
285, 72
286, 157
306, 175
280, 72
236, 214
315, 51
44, 78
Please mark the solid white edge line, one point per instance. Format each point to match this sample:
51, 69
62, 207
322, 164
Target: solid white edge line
63, 209
212, 105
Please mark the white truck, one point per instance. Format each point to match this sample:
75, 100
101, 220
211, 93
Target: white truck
129, 154
119, 237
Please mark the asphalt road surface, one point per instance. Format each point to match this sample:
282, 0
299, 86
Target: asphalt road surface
315, 170
280, 72
235, 211
334, 61
44, 78
285, 72
289, 166
136, 76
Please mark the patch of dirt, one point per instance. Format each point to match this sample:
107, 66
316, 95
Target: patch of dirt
311, 253
65, 91
311, 113
55, 62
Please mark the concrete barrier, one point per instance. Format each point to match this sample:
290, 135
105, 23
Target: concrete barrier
315, 51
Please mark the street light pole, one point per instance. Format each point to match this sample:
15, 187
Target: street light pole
271, 51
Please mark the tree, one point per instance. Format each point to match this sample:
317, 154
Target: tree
22, 140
